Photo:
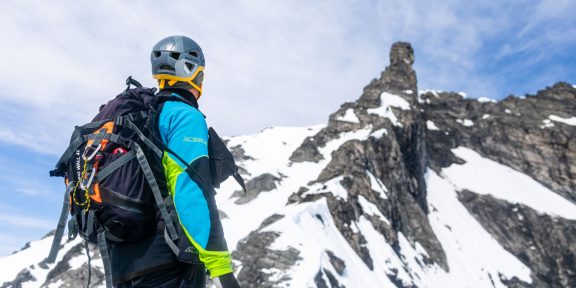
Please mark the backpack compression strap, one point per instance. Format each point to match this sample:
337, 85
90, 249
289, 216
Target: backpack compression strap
61, 225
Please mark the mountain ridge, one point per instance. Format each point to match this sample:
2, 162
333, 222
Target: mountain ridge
398, 189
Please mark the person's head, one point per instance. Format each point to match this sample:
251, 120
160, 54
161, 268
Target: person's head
178, 61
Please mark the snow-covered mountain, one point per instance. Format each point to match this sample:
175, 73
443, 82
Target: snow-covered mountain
402, 188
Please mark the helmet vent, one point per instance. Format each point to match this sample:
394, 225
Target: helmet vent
175, 55
193, 53
190, 66
166, 67
156, 53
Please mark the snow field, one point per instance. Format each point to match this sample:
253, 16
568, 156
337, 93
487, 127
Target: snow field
474, 257
28, 258
484, 176
568, 121
486, 100
388, 100
302, 230
431, 125
271, 149
379, 133
378, 186
349, 116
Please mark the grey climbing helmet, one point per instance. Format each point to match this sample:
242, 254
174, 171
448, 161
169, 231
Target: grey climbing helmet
178, 58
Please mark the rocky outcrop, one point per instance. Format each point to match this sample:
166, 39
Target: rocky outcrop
62, 273
332, 281
263, 183
22, 277
398, 159
259, 262
518, 132
543, 243
70, 278
524, 133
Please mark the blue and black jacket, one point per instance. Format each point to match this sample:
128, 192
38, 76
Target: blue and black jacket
182, 128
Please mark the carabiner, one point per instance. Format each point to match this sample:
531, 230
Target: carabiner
85, 187
93, 153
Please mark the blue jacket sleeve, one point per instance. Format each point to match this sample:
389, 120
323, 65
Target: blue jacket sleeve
184, 130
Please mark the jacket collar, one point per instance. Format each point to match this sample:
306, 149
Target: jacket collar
186, 95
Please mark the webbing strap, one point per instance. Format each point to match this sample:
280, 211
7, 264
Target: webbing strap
144, 139
105, 257
83, 219
89, 228
61, 225
171, 243
106, 171
155, 191
93, 125
89, 264
76, 143
112, 237
72, 229
101, 135
189, 167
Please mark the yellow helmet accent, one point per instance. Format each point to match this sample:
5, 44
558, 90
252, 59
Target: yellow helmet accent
173, 79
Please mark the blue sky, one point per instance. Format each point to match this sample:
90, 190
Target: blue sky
269, 63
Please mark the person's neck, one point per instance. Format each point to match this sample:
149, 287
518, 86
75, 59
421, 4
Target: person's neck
186, 94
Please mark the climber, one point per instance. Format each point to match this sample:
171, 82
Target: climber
178, 66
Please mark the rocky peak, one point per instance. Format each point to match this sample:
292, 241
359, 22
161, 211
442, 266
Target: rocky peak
398, 78
397, 157
401, 55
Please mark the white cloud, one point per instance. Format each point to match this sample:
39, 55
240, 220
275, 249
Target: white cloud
268, 62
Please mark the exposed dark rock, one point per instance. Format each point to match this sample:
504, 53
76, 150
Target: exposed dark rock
72, 278
321, 283
333, 281
26, 246
270, 220
319, 280
263, 183
516, 283
256, 256
22, 277
338, 264
393, 277
222, 214
240, 154
307, 152
345, 215
543, 243
50, 233
297, 197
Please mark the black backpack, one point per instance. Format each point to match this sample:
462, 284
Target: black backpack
114, 177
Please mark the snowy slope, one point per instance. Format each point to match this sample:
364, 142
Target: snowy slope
396, 190
474, 257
